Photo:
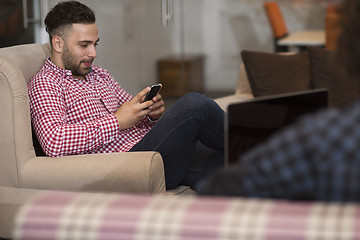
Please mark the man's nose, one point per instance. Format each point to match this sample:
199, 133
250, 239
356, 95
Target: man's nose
92, 52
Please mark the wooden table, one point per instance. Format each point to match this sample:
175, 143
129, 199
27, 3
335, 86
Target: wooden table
181, 74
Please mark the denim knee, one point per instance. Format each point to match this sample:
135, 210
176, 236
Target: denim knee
196, 101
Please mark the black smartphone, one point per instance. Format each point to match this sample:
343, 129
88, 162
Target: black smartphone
153, 92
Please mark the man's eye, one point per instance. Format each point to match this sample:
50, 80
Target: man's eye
83, 45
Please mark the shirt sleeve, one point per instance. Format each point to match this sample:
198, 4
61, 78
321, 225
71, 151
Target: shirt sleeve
316, 158
278, 168
56, 136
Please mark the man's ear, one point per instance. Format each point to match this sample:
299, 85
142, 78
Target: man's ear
57, 43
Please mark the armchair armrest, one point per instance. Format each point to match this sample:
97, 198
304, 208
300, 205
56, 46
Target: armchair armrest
110, 172
224, 102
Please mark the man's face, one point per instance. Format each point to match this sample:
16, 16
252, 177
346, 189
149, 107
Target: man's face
79, 49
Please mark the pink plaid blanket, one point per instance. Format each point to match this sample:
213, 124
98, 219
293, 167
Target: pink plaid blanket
60, 215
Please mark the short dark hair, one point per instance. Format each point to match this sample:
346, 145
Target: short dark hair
64, 14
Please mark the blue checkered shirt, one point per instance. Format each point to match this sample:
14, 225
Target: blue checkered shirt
317, 158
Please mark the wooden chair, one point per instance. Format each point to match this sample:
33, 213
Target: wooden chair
283, 39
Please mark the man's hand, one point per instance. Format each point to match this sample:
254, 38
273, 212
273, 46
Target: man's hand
131, 112
158, 107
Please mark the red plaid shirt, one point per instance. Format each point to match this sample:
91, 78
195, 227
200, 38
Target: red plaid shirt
72, 116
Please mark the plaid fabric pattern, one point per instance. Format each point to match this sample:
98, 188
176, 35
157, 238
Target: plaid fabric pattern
72, 116
318, 158
60, 215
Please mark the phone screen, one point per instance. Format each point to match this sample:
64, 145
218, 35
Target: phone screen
153, 92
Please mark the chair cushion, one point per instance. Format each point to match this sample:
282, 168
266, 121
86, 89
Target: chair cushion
271, 73
326, 73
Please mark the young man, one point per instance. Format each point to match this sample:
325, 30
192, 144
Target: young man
318, 158
78, 108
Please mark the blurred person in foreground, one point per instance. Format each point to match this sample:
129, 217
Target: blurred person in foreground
317, 158
78, 108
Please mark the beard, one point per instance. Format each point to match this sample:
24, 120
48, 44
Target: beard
70, 63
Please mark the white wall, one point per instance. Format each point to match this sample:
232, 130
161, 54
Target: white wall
132, 38
230, 26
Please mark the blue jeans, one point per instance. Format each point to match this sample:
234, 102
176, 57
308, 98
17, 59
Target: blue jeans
193, 122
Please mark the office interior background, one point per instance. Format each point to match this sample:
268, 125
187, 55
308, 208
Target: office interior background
136, 34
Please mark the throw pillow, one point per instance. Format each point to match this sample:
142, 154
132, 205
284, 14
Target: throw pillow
273, 73
326, 72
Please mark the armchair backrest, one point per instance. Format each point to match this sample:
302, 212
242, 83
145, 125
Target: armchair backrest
17, 65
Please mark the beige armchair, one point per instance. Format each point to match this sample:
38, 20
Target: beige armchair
23, 174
